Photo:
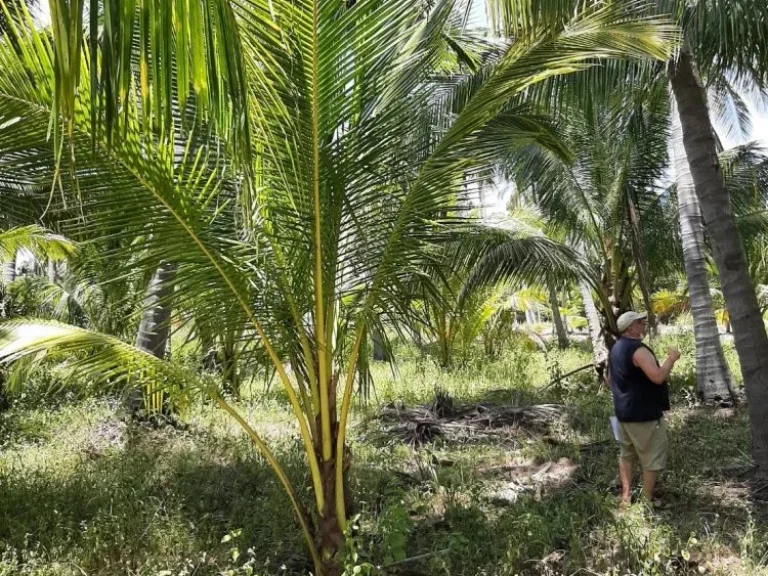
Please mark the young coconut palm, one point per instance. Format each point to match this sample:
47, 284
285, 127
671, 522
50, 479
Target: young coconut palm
36, 241
607, 198
475, 278
353, 140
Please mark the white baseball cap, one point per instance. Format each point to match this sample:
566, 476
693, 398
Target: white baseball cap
626, 319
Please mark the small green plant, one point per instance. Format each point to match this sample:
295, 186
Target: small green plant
394, 527
355, 552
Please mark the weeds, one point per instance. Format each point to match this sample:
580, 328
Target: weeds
85, 493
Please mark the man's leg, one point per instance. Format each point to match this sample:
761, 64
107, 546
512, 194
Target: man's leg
626, 462
649, 483
654, 457
626, 469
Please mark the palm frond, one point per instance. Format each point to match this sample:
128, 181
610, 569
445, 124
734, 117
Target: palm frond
35, 239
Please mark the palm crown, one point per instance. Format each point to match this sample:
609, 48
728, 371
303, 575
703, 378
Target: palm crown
351, 130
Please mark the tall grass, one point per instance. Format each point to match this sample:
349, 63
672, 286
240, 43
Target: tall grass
82, 492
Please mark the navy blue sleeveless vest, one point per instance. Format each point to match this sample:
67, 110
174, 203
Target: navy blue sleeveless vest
635, 397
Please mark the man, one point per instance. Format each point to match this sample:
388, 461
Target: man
640, 397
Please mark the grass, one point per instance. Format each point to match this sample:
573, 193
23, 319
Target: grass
81, 492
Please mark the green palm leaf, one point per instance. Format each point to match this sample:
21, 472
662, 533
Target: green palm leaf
37, 240
367, 141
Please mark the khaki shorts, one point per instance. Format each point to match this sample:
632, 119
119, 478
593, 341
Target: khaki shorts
647, 440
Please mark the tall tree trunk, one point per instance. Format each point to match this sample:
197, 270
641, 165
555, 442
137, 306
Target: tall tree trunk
9, 270
228, 357
379, 351
330, 537
154, 328
8, 276
713, 379
530, 319
557, 320
53, 273
740, 298
599, 350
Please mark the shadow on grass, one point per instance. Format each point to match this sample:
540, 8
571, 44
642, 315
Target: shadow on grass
165, 499
159, 503
714, 515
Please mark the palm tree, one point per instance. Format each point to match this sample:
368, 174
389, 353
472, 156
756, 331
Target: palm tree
36, 241
748, 326
5, 17
606, 202
594, 326
482, 271
713, 379
720, 40
9, 269
154, 331
351, 130
557, 319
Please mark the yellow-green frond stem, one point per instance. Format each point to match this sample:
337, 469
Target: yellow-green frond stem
280, 473
346, 402
306, 348
320, 334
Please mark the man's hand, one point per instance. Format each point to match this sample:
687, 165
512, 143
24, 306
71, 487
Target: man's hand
673, 354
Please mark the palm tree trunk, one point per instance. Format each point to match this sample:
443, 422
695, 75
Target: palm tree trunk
379, 352
444, 340
9, 270
154, 328
748, 326
713, 379
529, 318
8, 276
53, 273
330, 535
229, 356
557, 320
599, 350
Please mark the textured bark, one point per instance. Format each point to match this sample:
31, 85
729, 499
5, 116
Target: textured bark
207, 347
530, 319
379, 351
713, 379
8, 276
329, 533
330, 538
9, 270
155, 325
599, 350
557, 319
740, 298
154, 328
53, 272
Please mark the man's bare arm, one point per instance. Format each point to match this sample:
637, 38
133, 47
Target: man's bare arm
643, 359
